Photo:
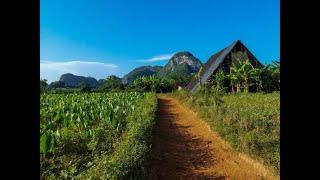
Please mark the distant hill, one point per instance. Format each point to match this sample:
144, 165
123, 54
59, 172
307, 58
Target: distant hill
181, 64
140, 71
100, 82
183, 61
71, 80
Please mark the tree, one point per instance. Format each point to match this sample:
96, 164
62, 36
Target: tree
241, 71
219, 79
235, 76
246, 72
153, 83
43, 85
257, 76
84, 87
57, 84
269, 77
112, 82
275, 71
180, 76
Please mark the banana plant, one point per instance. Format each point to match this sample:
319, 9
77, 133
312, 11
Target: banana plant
246, 71
257, 77
241, 71
235, 76
219, 79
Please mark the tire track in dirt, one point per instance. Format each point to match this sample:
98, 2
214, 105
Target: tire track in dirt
184, 147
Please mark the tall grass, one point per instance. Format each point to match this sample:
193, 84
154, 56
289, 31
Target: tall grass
249, 122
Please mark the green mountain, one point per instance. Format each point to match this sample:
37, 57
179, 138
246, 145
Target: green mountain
181, 61
180, 67
140, 71
71, 80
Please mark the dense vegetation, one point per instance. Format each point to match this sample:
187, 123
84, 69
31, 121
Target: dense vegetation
250, 122
153, 83
111, 83
181, 75
95, 135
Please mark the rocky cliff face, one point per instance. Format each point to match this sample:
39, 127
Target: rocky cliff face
182, 60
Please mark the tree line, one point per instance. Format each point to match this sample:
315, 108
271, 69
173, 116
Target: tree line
242, 77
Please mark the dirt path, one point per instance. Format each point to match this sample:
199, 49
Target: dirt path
184, 147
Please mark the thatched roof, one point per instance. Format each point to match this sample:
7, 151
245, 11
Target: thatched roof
215, 60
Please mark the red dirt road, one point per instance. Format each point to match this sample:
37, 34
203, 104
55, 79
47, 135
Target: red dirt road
184, 147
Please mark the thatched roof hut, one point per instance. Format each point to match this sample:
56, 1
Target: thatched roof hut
221, 60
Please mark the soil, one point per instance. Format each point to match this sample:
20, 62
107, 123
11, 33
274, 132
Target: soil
184, 147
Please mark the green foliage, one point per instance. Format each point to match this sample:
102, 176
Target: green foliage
79, 131
57, 84
139, 72
63, 90
43, 85
249, 122
180, 76
267, 79
275, 74
219, 80
112, 83
241, 71
153, 83
132, 151
47, 142
84, 87
245, 77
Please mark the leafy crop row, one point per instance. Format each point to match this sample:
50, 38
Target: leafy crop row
80, 130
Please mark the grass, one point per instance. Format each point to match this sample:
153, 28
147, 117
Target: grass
249, 122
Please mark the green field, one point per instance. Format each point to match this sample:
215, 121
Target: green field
249, 122
95, 135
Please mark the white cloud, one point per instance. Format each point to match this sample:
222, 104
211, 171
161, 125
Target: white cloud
52, 71
162, 57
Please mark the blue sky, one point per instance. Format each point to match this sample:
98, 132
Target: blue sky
103, 37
